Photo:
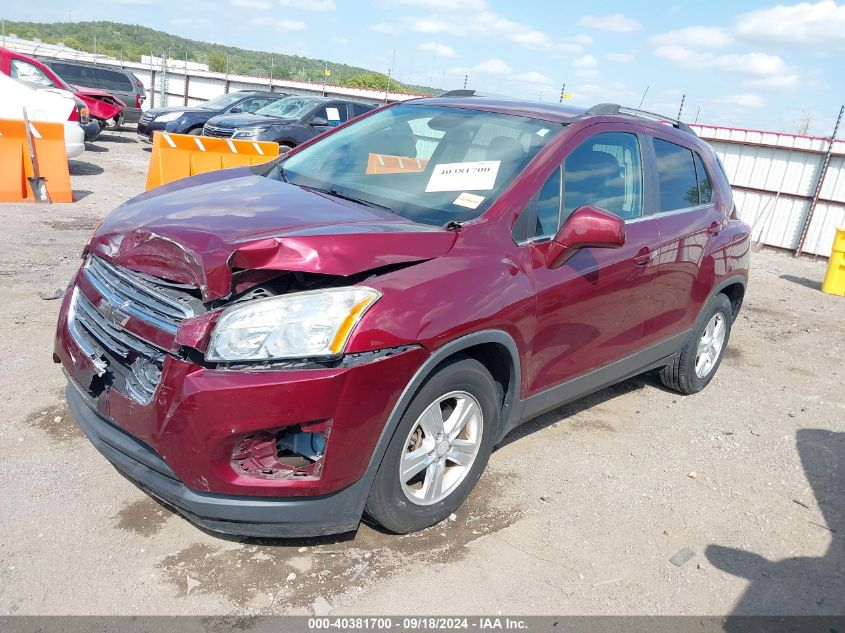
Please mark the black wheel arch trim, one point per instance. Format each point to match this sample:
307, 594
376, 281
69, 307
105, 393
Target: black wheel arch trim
742, 280
511, 397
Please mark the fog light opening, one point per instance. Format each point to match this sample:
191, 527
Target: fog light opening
288, 452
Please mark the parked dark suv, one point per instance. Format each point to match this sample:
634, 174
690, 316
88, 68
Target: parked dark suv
120, 82
190, 119
288, 122
351, 328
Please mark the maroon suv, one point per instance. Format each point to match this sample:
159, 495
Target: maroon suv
351, 329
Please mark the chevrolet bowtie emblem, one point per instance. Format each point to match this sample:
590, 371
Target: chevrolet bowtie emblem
114, 314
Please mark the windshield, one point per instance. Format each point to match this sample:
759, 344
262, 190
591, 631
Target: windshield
288, 108
430, 164
221, 102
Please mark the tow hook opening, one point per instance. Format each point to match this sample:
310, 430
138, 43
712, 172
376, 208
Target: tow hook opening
292, 452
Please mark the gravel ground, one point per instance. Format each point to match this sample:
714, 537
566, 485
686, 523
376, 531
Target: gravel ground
579, 512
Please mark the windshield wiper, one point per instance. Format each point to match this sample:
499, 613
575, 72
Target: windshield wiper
280, 169
345, 196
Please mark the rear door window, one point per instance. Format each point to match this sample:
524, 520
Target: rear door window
74, 74
676, 173
112, 80
256, 103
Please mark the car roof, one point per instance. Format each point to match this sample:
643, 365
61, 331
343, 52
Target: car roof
261, 93
552, 112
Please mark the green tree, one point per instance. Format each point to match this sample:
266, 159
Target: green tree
217, 62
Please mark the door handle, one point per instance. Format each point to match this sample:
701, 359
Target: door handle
643, 257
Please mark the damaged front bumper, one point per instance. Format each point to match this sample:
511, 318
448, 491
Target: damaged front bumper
216, 442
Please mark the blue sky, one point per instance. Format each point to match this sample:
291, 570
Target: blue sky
748, 64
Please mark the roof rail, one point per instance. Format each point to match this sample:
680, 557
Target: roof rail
615, 108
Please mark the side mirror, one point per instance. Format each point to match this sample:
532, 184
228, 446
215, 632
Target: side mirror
318, 120
236, 110
587, 227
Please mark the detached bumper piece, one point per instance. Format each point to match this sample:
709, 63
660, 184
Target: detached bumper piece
288, 517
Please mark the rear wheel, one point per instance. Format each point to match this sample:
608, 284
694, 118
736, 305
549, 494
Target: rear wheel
284, 149
694, 368
197, 131
439, 449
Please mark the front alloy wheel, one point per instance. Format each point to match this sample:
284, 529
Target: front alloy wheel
441, 448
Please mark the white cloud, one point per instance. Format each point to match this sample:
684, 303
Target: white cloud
319, 6
757, 64
821, 25
280, 25
696, 37
439, 50
776, 81
533, 77
383, 27
493, 66
742, 100
619, 58
492, 25
585, 61
343, 41
446, 5
192, 23
616, 22
258, 5
587, 73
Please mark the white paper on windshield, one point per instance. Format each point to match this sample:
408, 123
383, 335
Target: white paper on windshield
468, 200
333, 114
474, 176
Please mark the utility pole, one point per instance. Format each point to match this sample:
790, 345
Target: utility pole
819, 184
681, 109
643, 99
389, 73
271, 74
466, 78
562, 92
698, 112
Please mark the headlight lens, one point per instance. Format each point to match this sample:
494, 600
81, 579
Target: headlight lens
250, 132
297, 325
168, 117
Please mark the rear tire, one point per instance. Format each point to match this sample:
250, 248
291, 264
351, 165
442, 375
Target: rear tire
694, 368
284, 149
197, 131
439, 449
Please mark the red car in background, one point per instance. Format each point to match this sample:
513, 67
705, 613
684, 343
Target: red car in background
101, 105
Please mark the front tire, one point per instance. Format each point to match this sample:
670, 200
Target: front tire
439, 449
694, 368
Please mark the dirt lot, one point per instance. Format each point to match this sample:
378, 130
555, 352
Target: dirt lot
579, 512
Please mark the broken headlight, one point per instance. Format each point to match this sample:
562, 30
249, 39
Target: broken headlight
297, 325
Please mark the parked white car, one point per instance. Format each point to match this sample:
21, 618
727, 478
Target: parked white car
42, 104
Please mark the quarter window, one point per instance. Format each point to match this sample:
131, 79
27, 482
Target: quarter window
705, 189
605, 171
676, 172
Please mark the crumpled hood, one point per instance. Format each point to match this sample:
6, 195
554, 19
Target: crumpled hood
199, 230
98, 94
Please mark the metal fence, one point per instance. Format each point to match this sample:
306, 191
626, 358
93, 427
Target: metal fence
776, 177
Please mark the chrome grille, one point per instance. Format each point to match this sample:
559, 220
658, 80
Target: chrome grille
133, 361
135, 296
217, 132
146, 117
125, 360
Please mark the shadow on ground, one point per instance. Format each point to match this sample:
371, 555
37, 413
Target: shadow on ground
803, 281
803, 585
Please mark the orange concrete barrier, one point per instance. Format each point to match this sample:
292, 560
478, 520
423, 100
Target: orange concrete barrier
16, 165
177, 156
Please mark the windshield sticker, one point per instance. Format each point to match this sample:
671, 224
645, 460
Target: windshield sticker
387, 164
477, 176
468, 200
333, 114
543, 132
